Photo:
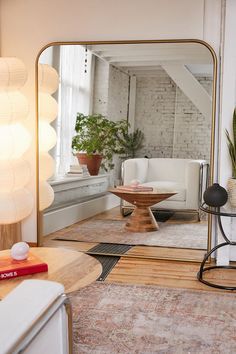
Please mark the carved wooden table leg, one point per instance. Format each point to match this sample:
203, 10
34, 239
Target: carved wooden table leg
141, 220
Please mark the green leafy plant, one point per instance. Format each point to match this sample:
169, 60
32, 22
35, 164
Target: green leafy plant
95, 134
130, 143
232, 145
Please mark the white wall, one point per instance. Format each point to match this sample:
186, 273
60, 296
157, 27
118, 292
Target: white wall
28, 25
228, 103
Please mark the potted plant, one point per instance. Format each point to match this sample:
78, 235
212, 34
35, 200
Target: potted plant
96, 141
232, 152
130, 143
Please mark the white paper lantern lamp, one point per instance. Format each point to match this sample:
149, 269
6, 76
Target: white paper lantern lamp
15, 174
15, 206
46, 195
46, 166
14, 141
47, 137
12, 74
48, 79
13, 107
16, 202
48, 109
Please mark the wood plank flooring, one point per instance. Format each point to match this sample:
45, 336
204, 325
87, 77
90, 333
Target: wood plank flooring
136, 251
138, 266
167, 273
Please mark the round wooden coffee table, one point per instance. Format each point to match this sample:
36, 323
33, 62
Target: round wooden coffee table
71, 268
141, 219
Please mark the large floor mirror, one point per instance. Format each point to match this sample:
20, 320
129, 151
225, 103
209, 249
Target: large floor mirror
166, 90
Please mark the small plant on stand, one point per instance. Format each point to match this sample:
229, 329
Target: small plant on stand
96, 141
231, 142
130, 143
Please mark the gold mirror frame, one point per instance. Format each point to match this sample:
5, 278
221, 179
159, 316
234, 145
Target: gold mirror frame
212, 150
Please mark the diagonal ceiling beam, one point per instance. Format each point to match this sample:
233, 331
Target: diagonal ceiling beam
190, 86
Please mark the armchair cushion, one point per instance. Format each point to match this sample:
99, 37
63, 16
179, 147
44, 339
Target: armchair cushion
167, 169
168, 186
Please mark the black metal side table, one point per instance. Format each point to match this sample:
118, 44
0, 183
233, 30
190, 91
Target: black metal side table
218, 212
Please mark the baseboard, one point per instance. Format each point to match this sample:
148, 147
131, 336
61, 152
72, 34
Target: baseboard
61, 218
32, 244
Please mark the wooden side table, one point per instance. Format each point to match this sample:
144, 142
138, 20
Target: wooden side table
142, 219
71, 268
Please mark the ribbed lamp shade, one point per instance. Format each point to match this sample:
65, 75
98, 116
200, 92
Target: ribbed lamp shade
15, 174
47, 137
14, 141
48, 108
46, 195
16, 202
48, 79
15, 206
46, 166
13, 107
12, 74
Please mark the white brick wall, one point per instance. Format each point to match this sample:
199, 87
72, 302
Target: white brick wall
110, 95
118, 94
155, 113
172, 125
192, 133
110, 98
100, 90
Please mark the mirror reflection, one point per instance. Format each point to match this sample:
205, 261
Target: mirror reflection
144, 111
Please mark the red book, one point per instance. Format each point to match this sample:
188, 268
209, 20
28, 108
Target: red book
137, 188
11, 268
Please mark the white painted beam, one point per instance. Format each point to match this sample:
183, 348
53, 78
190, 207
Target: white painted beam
201, 51
190, 87
161, 61
185, 58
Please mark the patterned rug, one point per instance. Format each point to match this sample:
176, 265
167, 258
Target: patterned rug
181, 234
128, 319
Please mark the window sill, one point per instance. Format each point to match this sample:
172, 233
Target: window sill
74, 190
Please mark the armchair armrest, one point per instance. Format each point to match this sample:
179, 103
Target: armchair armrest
134, 169
33, 318
196, 179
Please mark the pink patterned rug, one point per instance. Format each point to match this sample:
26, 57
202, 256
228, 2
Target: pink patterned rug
127, 319
186, 235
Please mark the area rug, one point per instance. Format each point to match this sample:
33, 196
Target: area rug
127, 319
183, 235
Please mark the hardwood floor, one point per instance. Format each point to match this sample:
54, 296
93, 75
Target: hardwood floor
138, 266
151, 252
167, 273
176, 274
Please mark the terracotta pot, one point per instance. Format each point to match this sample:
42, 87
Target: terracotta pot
93, 162
231, 188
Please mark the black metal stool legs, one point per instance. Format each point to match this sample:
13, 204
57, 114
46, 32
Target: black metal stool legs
202, 269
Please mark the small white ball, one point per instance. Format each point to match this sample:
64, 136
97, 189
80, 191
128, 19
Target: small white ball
20, 251
135, 183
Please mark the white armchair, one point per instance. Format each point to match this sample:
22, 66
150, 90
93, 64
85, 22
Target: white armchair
185, 176
35, 318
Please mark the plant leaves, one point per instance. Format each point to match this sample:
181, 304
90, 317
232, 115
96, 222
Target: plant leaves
97, 134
